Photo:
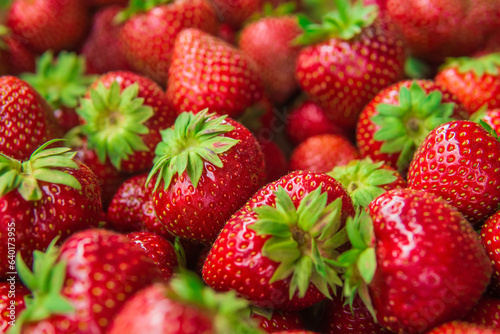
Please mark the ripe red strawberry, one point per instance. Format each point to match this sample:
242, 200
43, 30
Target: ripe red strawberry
491, 117
45, 196
27, 120
48, 24
206, 72
490, 237
322, 153
183, 306
272, 321
416, 261
12, 296
159, 250
236, 12
460, 327
15, 58
355, 55
208, 167
459, 161
485, 313
268, 42
122, 116
276, 161
150, 29
277, 249
79, 287
474, 80
308, 120
395, 122
365, 180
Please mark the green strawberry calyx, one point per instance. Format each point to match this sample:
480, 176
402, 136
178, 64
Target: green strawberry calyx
4, 32
230, 314
42, 165
62, 80
45, 282
269, 10
363, 179
136, 7
487, 64
405, 125
193, 140
303, 240
345, 23
114, 122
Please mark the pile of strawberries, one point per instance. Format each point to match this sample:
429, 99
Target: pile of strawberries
249, 166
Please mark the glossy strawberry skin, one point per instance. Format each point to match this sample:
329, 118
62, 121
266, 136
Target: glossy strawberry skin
431, 267
236, 261
61, 211
198, 214
322, 153
485, 313
350, 73
279, 321
206, 72
11, 303
490, 237
103, 270
460, 327
366, 128
147, 39
459, 161
27, 120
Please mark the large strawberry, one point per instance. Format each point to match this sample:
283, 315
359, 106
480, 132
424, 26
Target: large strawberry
490, 237
45, 196
206, 72
277, 250
208, 166
416, 262
353, 55
459, 161
150, 29
474, 80
397, 120
79, 287
27, 120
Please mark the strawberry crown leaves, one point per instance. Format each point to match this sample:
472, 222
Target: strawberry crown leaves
489, 129
487, 64
138, 6
405, 125
62, 80
41, 166
302, 240
45, 282
114, 121
4, 32
363, 179
268, 10
5, 4
346, 22
230, 313
193, 139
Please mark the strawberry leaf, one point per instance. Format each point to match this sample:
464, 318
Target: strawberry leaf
487, 64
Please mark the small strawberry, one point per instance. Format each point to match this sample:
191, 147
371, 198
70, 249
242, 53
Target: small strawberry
474, 80
12, 296
276, 161
461, 327
491, 117
485, 313
353, 55
206, 72
415, 261
277, 249
79, 287
272, 321
45, 196
459, 161
322, 153
392, 126
149, 30
15, 58
490, 237
208, 166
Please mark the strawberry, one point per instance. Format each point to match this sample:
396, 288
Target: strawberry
157, 248
490, 237
460, 327
235, 12
79, 287
276, 161
12, 296
322, 153
45, 196
276, 250
206, 72
416, 262
351, 57
62, 82
122, 115
183, 306
207, 166
27, 120
459, 162
365, 180
485, 313
272, 321
474, 80
14, 56
491, 117
150, 28
397, 120
48, 24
